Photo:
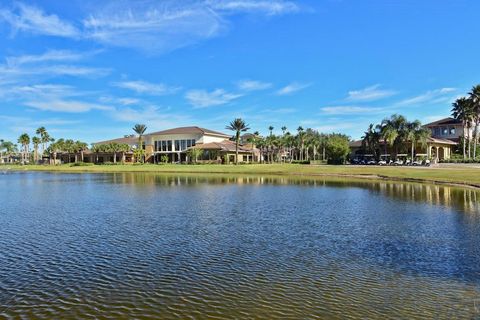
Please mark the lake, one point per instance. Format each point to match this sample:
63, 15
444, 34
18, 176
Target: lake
133, 245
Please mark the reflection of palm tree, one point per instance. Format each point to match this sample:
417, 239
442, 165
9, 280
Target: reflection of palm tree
239, 126
140, 130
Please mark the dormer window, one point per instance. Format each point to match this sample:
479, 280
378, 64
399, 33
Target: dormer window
452, 131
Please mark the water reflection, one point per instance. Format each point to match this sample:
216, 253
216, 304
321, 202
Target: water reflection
463, 199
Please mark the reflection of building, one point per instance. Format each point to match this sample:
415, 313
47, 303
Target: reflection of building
445, 136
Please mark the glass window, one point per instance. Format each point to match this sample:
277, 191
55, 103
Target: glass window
436, 131
177, 145
189, 143
193, 142
444, 131
184, 144
169, 145
452, 131
164, 145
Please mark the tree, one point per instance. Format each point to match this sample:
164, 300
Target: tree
193, 153
371, 140
238, 126
416, 133
24, 140
140, 130
474, 96
44, 137
301, 140
337, 148
462, 110
36, 142
80, 147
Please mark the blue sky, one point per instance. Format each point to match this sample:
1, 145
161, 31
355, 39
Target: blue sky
90, 71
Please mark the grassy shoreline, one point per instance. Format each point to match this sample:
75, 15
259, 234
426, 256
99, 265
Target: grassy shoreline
452, 175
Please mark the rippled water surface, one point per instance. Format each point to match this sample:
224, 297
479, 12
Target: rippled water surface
117, 246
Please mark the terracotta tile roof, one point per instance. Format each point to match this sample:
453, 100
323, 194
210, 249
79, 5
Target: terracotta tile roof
442, 141
443, 121
190, 130
226, 145
127, 140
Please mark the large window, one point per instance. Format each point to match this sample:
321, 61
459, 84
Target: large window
168, 145
452, 131
444, 131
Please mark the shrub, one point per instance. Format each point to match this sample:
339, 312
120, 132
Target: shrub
81, 164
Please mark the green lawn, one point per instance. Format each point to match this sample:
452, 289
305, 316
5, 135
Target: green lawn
456, 174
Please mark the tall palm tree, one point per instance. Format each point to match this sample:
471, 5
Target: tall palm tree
416, 133
239, 126
270, 128
371, 140
36, 142
462, 110
474, 96
24, 140
44, 137
140, 130
301, 140
253, 141
284, 129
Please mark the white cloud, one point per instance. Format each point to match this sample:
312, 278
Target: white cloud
253, 85
52, 55
433, 96
148, 25
369, 94
154, 27
292, 88
34, 20
153, 116
66, 106
143, 87
351, 110
270, 7
204, 99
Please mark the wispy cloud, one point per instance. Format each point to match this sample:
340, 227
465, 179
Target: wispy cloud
271, 7
144, 87
433, 96
49, 56
351, 110
253, 85
33, 20
66, 106
370, 94
292, 88
204, 99
149, 25
152, 116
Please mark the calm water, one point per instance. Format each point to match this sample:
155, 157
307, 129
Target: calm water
117, 246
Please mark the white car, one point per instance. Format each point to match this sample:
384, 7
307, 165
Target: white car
382, 163
417, 163
398, 163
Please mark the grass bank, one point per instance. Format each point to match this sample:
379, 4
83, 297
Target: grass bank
455, 175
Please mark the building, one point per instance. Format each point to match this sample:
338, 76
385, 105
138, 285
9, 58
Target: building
445, 136
172, 146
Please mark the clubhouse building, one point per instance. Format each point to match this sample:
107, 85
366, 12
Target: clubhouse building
446, 135
172, 146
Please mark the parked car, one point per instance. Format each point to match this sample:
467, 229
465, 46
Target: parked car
417, 163
372, 162
398, 162
382, 163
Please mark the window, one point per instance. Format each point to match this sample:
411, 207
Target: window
169, 145
189, 143
193, 142
184, 144
444, 131
452, 131
436, 131
177, 145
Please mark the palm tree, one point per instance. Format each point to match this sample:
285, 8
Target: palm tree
462, 110
253, 141
284, 129
301, 139
371, 140
44, 137
270, 128
140, 130
474, 96
24, 140
36, 142
415, 133
239, 126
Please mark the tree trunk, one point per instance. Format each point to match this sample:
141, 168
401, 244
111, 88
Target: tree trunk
413, 149
114, 157
475, 138
469, 143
